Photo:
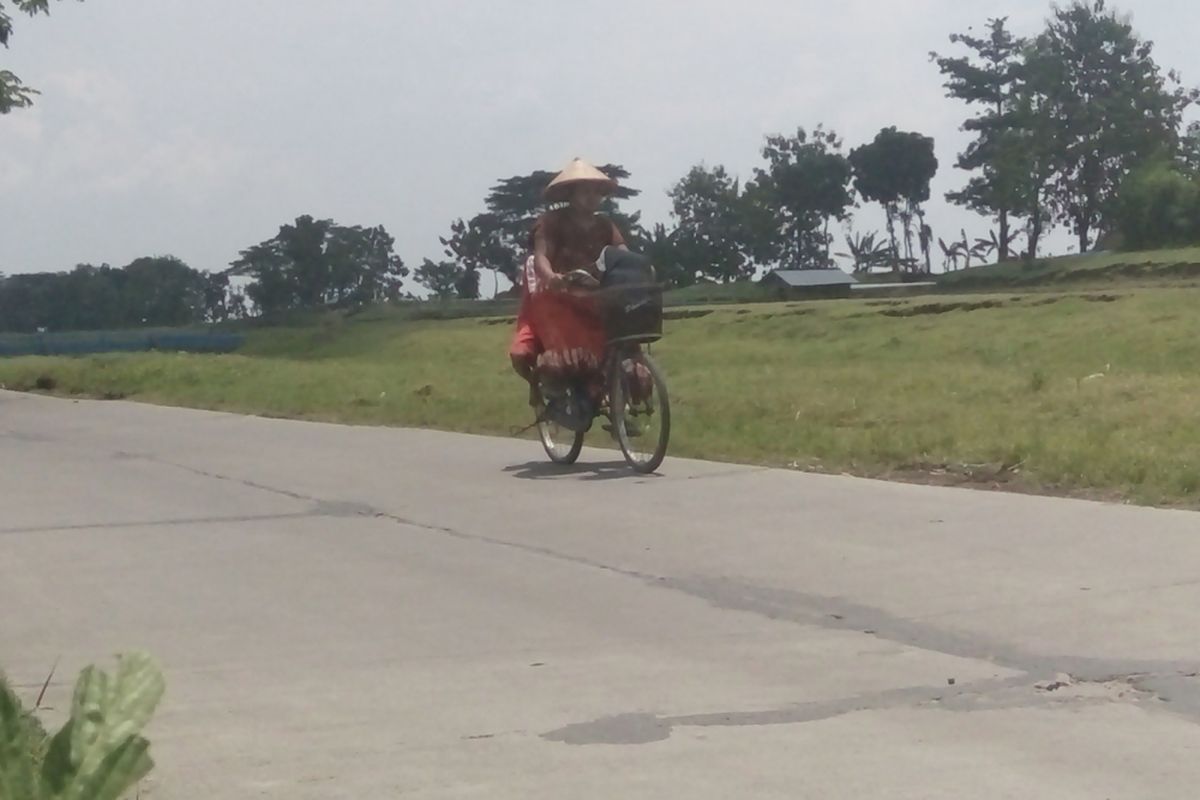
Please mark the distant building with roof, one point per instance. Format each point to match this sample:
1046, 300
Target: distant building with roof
806, 284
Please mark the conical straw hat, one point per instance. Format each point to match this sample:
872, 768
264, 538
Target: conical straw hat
578, 171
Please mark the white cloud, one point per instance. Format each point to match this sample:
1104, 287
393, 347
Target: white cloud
213, 123
105, 142
21, 134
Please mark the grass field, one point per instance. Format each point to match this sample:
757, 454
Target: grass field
1086, 393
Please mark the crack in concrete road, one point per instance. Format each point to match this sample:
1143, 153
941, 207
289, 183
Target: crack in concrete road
836, 613
989, 695
319, 509
1041, 681
1150, 684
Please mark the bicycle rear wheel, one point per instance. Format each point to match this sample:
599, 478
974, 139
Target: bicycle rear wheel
561, 443
640, 410
562, 446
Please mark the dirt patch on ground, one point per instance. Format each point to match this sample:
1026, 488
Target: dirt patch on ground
983, 477
686, 313
996, 478
796, 312
743, 316
672, 314
1087, 298
1180, 269
925, 309
940, 308
999, 475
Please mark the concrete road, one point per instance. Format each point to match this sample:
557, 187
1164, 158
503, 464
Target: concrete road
365, 613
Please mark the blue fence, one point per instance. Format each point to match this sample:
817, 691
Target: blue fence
84, 343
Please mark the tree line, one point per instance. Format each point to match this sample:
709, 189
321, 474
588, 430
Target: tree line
152, 291
309, 263
1074, 126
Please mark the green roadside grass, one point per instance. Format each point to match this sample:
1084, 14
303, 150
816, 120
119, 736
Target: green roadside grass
1083, 393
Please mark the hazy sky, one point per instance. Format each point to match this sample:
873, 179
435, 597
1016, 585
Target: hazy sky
197, 128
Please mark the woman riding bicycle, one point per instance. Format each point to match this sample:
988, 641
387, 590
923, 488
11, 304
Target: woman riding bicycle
560, 333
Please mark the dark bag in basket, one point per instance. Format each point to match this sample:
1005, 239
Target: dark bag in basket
630, 295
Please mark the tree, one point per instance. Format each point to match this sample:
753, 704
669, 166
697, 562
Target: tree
162, 291
499, 238
989, 77
1159, 206
1113, 107
805, 184
270, 289
1031, 158
94, 298
671, 264
14, 93
895, 170
867, 251
709, 235
1189, 150
476, 245
222, 302
315, 263
365, 268
26, 301
302, 247
441, 278
467, 285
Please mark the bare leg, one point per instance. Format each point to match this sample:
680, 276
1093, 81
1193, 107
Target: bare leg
523, 365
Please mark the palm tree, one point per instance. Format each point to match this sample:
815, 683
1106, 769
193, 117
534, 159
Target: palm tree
867, 250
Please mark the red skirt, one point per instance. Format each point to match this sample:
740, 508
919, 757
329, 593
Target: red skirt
571, 333
562, 330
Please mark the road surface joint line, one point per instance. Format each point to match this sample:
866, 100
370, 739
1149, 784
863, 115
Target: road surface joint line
154, 523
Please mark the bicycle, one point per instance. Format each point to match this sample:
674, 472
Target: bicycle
636, 401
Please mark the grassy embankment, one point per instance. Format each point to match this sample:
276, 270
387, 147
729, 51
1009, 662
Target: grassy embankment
1077, 390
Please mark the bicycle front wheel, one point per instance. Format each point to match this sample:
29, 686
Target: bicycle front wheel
640, 409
